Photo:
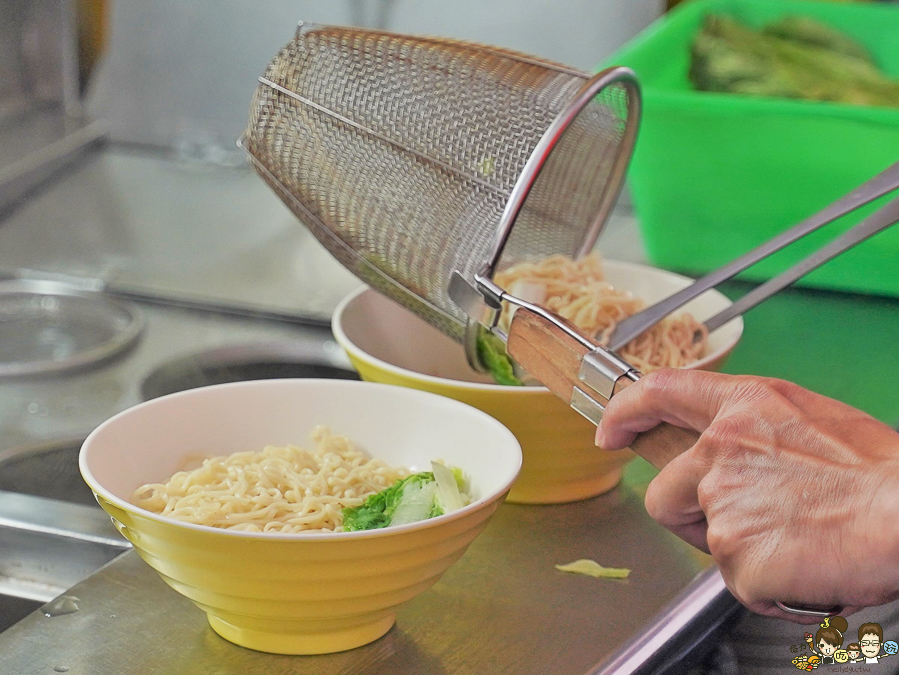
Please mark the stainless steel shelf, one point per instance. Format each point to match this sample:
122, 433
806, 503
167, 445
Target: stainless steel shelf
185, 241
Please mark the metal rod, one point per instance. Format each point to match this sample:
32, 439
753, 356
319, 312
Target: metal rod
115, 290
32, 170
636, 325
876, 222
226, 309
58, 518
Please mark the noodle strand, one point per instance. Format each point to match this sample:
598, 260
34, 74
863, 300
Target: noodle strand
285, 490
577, 290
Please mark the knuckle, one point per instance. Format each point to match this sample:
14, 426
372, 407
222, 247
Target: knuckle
658, 381
754, 388
784, 388
724, 543
718, 545
747, 592
762, 391
724, 434
708, 491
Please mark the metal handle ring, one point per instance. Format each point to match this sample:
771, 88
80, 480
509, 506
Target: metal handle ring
807, 611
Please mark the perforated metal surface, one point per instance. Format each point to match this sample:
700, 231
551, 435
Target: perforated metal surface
49, 470
400, 155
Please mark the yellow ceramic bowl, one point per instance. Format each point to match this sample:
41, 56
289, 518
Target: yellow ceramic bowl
388, 344
299, 593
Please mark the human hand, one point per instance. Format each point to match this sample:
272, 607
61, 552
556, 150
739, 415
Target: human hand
794, 494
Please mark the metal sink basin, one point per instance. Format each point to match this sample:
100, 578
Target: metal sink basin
46, 547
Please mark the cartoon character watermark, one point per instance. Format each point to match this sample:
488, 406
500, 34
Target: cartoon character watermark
828, 639
806, 662
873, 648
825, 647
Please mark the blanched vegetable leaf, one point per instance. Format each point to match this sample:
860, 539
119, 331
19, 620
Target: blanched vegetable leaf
377, 511
793, 58
492, 353
816, 34
417, 503
460, 477
594, 569
448, 496
411, 499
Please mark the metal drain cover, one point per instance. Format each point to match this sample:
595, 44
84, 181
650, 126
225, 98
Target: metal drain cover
264, 361
48, 327
48, 470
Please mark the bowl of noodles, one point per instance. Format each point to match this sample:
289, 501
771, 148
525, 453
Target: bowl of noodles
388, 344
241, 497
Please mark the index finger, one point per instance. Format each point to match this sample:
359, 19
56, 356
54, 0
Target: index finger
684, 398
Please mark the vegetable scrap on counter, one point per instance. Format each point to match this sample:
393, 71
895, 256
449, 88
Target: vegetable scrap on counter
591, 568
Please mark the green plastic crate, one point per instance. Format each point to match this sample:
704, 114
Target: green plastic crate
713, 175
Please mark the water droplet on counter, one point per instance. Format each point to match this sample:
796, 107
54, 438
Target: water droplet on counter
61, 669
112, 616
64, 604
33, 408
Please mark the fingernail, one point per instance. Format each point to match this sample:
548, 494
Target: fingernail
600, 437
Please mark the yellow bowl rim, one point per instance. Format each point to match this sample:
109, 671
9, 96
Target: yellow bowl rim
341, 337
474, 506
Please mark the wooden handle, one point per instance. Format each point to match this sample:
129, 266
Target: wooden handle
661, 444
554, 358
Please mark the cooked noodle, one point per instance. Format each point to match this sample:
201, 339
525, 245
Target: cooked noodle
285, 490
577, 291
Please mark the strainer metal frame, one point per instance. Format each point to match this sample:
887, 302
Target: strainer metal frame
493, 295
551, 138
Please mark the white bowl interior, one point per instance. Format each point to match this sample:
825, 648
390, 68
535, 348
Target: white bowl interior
385, 330
404, 427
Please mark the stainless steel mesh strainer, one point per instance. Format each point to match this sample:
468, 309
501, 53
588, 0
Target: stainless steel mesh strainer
411, 159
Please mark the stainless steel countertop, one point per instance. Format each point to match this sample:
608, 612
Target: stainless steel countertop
502, 609
216, 233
